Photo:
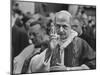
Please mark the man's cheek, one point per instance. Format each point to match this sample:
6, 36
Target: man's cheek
39, 39
67, 32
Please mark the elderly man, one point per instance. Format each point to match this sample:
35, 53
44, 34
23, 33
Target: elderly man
76, 52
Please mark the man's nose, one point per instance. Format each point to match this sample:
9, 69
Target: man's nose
61, 29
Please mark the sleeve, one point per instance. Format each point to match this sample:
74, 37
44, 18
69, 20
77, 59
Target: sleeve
21, 61
88, 55
39, 64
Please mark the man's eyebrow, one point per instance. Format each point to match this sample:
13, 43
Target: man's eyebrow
57, 24
32, 33
66, 24
74, 25
33, 23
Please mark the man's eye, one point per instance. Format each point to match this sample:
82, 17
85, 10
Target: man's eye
32, 34
58, 26
75, 26
65, 27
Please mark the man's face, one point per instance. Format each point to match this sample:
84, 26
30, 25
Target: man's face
63, 27
36, 34
75, 25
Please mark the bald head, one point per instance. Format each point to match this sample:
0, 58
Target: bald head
63, 17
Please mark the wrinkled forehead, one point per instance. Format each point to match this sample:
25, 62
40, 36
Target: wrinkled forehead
63, 19
62, 22
75, 21
35, 28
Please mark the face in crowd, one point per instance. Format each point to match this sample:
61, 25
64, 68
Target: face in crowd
76, 25
62, 24
36, 34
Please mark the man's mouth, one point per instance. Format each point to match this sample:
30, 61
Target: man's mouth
63, 37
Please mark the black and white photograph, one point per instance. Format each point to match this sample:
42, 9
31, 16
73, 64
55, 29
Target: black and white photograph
52, 37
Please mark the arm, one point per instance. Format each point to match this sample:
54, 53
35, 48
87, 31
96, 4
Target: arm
22, 57
40, 62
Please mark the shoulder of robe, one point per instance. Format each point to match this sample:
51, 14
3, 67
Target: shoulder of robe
29, 47
27, 50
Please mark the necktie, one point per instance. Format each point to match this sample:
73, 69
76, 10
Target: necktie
55, 56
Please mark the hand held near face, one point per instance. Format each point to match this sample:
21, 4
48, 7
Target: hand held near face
53, 37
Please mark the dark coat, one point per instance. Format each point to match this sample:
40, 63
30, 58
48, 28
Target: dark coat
79, 52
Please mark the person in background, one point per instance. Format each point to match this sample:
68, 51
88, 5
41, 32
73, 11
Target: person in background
88, 33
19, 35
76, 25
38, 40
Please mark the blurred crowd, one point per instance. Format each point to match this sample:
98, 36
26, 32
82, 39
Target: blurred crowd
88, 27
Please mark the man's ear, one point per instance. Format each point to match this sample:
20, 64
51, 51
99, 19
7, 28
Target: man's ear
30, 41
28, 34
78, 30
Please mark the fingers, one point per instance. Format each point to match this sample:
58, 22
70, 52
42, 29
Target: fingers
54, 43
54, 36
